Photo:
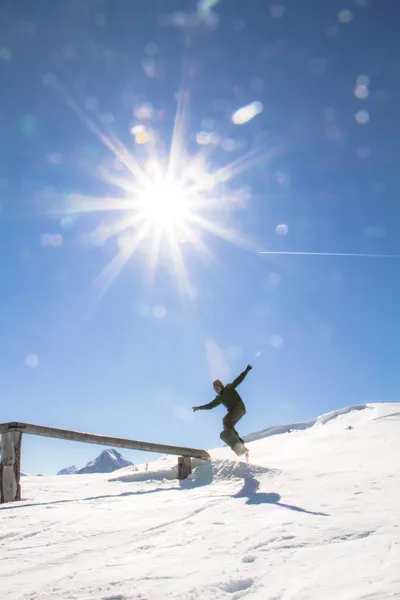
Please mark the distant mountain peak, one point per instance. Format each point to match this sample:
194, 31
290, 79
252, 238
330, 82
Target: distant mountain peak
68, 470
109, 460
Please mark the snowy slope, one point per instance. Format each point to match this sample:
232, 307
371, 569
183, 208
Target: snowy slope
314, 517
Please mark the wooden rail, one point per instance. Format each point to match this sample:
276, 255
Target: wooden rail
11, 440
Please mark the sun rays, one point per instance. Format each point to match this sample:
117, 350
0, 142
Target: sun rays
167, 202
168, 209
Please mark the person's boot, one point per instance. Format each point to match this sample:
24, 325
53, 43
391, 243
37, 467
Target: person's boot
240, 439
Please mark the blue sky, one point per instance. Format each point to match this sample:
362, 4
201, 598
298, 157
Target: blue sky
322, 332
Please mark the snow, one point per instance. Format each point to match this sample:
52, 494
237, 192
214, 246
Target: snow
279, 429
338, 413
313, 516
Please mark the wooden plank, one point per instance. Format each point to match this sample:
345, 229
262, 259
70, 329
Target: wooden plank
91, 438
10, 467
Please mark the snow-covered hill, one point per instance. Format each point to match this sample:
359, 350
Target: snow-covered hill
314, 516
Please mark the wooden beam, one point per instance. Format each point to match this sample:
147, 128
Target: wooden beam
184, 467
10, 467
91, 438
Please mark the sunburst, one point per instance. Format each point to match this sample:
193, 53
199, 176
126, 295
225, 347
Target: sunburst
167, 202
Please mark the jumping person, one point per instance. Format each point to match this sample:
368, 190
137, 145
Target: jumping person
228, 396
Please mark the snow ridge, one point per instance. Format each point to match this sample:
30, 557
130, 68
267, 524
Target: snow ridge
342, 411
302, 425
277, 430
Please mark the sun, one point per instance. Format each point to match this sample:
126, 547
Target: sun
168, 202
166, 205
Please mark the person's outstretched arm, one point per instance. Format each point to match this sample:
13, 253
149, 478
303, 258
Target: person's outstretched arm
242, 375
212, 404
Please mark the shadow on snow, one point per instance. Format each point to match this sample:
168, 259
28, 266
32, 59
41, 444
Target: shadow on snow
203, 475
250, 491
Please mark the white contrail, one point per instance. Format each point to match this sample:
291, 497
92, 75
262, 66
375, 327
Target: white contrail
351, 254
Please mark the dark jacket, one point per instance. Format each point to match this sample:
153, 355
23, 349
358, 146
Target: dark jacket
228, 396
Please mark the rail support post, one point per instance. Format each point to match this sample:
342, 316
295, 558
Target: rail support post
184, 467
10, 466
